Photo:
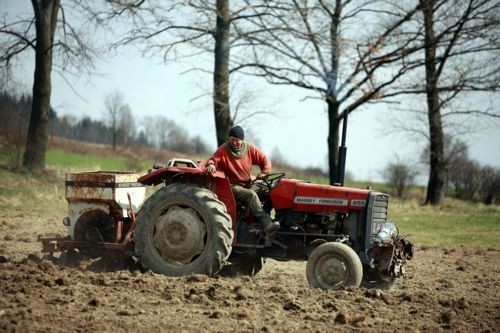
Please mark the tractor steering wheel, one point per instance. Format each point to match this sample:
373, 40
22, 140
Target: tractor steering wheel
269, 181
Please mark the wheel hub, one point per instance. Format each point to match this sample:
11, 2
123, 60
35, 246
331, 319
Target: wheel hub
331, 271
180, 235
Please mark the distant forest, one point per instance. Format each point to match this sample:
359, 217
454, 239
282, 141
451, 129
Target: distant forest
158, 131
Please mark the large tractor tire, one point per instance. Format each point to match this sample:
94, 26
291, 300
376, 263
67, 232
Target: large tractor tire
183, 229
333, 265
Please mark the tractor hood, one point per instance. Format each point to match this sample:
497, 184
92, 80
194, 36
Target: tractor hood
302, 196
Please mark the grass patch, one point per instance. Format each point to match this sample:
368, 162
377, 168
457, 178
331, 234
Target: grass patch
79, 162
73, 162
26, 192
453, 223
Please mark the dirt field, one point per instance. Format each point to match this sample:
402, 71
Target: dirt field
449, 289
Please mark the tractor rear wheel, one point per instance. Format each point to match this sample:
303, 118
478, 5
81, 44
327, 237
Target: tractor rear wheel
333, 265
183, 229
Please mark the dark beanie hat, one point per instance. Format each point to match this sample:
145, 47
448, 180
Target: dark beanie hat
238, 132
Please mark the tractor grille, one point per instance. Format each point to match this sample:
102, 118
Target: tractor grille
379, 212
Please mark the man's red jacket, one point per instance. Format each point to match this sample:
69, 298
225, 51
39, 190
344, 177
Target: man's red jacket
237, 170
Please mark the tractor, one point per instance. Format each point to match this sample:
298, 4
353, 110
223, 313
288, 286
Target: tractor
191, 224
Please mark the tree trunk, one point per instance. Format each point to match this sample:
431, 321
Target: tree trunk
114, 129
38, 131
437, 173
223, 121
114, 139
331, 99
333, 139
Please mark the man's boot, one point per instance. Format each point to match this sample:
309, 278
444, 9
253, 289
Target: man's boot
270, 228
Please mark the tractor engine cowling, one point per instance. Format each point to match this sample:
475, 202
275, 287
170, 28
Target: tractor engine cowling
354, 216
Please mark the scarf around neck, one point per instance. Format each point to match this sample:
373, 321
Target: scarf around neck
238, 152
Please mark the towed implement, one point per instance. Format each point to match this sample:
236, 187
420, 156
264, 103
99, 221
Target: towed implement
101, 213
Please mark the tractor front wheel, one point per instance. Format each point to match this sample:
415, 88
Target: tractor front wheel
183, 229
333, 265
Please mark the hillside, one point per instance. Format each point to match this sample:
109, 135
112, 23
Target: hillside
136, 153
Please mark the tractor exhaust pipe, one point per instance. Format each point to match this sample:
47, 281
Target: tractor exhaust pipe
342, 153
341, 166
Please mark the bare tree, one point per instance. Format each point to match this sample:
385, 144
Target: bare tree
490, 185
167, 134
114, 113
460, 73
308, 45
127, 126
14, 112
199, 145
45, 21
157, 128
179, 29
454, 151
465, 178
222, 113
468, 179
467, 32
399, 175
49, 35
437, 163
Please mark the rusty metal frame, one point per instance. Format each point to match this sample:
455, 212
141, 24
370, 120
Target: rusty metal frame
61, 244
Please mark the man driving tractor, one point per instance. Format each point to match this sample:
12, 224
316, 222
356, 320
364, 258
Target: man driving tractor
236, 158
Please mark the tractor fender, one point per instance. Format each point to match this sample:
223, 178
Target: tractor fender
217, 183
160, 175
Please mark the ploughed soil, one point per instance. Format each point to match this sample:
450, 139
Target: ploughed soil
448, 289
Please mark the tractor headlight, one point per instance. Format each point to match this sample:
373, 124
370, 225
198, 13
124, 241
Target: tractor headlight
386, 230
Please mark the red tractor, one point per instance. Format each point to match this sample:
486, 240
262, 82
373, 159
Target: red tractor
193, 225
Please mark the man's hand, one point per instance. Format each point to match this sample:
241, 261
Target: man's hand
210, 169
261, 176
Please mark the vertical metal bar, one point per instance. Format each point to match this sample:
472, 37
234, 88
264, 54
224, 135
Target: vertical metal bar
128, 236
342, 152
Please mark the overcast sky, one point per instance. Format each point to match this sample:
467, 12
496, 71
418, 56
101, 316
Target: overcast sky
298, 128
